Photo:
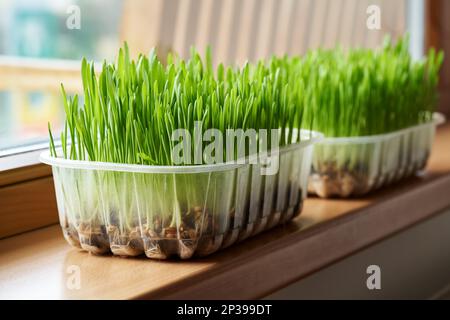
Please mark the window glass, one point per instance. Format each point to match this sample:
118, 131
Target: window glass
34, 37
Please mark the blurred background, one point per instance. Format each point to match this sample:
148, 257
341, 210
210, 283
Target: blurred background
41, 43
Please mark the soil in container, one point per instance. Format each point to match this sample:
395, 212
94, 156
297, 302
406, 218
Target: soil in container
93, 238
71, 234
330, 180
194, 235
127, 243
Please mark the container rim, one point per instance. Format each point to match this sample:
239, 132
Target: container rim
438, 119
45, 157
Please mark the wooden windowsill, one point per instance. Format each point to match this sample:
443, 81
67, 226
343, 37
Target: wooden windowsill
38, 264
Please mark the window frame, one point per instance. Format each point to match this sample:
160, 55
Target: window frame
27, 196
437, 35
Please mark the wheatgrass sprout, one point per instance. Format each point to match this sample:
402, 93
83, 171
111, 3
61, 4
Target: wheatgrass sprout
131, 109
364, 92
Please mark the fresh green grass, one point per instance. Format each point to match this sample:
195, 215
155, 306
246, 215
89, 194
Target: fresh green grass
129, 111
132, 107
366, 92
362, 92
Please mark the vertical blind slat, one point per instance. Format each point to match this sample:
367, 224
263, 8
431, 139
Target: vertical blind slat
204, 24
240, 30
317, 24
301, 22
244, 36
224, 33
264, 28
284, 24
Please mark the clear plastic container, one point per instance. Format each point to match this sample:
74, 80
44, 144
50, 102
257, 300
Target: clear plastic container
182, 211
344, 167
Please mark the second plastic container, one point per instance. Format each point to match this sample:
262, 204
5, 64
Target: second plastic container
182, 211
354, 166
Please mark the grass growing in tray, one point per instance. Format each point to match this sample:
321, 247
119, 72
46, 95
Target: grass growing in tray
367, 92
128, 114
131, 109
363, 92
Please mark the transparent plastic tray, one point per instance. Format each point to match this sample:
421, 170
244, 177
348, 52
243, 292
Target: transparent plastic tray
181, 211
344, 167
